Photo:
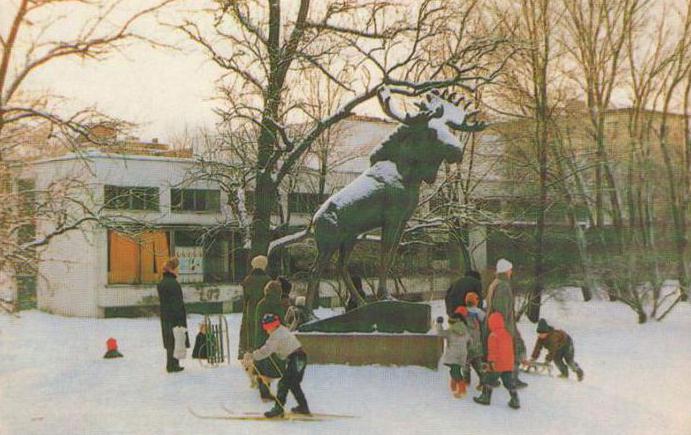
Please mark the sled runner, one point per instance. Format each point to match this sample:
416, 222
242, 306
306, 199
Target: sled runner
537, 367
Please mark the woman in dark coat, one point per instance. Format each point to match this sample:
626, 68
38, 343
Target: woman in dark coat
172, 312
252, 292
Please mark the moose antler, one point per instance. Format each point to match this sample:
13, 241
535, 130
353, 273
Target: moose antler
384, 97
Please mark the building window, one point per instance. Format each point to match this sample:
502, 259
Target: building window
195, 200
137, 259
131, 198
299, 202
203, 258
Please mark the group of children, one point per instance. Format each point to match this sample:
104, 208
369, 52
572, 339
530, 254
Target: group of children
495, 358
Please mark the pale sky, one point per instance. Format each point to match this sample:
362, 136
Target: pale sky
164, 91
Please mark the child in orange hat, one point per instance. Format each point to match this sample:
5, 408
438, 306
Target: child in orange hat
455, 356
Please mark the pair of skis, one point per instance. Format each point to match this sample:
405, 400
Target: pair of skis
257, 416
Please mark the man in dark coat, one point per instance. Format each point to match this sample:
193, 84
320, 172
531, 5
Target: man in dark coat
455, 295
253, 292
172, 312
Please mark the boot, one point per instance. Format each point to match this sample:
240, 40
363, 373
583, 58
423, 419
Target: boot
460, 391
486, 397
265, 392
276, 411
301, 409
453, 385
580, 374
514, 402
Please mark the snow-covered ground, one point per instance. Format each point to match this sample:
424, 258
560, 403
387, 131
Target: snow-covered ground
53, 380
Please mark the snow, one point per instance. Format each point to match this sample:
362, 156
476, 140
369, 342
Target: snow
54, 381
374, 178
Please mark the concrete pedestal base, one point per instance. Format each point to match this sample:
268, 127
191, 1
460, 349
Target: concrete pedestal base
369, 349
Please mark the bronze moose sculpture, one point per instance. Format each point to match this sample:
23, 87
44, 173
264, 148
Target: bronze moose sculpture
387, 193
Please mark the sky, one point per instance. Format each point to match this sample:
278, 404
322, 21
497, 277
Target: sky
164, 91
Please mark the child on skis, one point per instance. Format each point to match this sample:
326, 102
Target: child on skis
560, 349
500, 361
287, 347
456, 353
475, 319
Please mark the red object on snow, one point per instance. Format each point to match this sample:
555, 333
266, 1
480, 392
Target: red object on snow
112, 344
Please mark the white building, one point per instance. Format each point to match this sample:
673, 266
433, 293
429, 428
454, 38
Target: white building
96, 272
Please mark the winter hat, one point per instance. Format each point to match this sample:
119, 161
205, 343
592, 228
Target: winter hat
504, 266
259, 262
171, 265
270, 320
463, 311
543, 327
112, 346
472, 299
300, 301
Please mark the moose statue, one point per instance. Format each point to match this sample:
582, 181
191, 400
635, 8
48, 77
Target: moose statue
387, 193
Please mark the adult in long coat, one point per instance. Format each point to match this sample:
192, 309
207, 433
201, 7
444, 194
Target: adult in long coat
455, 295
500, 298
252, 292
172, 312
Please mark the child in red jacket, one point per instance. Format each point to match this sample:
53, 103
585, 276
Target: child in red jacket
500, 361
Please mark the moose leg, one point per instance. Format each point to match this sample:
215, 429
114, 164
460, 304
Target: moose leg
343, 257
389, 244
320, 264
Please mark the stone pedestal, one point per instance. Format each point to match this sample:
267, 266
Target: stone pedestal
369, 349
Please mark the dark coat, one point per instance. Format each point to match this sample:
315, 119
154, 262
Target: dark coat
555, 341
172, 308
252, 293
270, 303
455, 295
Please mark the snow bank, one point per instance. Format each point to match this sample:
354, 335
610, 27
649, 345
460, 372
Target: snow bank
53, 380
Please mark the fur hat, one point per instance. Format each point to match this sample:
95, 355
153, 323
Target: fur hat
504, 265
171, 265
259, 262
543, 327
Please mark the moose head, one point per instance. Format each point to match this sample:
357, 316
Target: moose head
427, 138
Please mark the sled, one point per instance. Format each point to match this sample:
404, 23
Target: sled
215, 349
537, 367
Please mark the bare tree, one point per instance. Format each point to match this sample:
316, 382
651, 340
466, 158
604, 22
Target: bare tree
31, 124
266, 48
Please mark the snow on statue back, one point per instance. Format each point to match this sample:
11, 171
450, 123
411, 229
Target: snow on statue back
387, 193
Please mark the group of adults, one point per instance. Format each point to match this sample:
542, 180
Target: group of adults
499, 298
